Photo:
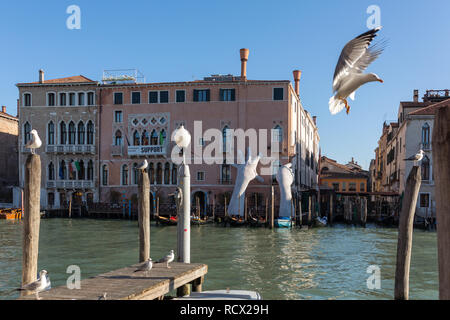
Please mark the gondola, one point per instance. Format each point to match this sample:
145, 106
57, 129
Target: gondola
169, 221
237, 221
196, 220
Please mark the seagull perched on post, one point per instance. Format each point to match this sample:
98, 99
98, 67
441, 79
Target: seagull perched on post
39, 285
167, 259
35, 142
417, 157
143, 165
348, 76
146, 266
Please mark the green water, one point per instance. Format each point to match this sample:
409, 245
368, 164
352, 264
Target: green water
321, 263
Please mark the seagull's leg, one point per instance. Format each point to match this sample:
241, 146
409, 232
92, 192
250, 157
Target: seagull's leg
347, 106
37, 296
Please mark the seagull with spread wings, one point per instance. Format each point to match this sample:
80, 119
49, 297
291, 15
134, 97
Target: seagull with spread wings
349, 74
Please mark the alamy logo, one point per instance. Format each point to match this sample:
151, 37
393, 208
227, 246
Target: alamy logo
374, 281
74, 280
374, 21
74, 20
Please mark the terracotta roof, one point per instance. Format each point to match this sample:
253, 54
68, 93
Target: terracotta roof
73, 79
430, 110
4, 114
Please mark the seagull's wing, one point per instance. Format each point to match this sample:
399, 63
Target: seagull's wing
414, 157
353, 51
31, 286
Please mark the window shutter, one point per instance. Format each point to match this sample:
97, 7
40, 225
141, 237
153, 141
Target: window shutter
233, 97
221, 95
207, 95
195, 95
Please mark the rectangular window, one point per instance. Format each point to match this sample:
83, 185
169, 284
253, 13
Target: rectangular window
352, 186
336, 186
200, 176
27, 99
62, 99
227, 95
153, 97
344, 186
136, 97
362, 187
181, 95
118, 98
90, 97
81, 98
201, 95
424, 200
71, 99
51, 99
118, 116
163, 96
278, 94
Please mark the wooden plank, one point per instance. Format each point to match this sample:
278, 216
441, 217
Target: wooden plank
125, 284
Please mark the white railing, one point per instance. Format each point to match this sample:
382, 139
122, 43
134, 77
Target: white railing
71, 184
70, 148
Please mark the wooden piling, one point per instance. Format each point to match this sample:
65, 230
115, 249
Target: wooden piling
197, 284
225, 206
309, 210
31, 223
330, 212
144, 216
364, 210
441, 154
70, 208
272, 209
405, 233
300, 213
214, 207
245, 208
157, 206
267, 207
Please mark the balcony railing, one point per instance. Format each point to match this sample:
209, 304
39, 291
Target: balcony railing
70, 148
225, 181
71, 184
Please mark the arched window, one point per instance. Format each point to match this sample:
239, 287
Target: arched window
62, 133
425, 168
135, 174
162, 137
90, 171
277, 134
62, 170
154, 138
124, 175
105, 175
167, 173
426, 135
72, 170
51, 171
174, 174
51, 99
26, 132
159, 173
51, 133
136, 138
90, 133
145, 139
151, 173
81, 171
80, 132
226, 139
72, 132
118, 138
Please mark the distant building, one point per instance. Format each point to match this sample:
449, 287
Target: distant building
348, 178
9, 132
404, 138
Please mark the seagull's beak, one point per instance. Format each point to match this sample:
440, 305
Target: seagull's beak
381, 80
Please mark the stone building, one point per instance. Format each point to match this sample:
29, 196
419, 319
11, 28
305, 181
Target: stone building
64, 113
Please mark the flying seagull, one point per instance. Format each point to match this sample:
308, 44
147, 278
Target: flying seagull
39, 285
35, 142
146, 266
143, 165
349, 74
417, 157
167, 259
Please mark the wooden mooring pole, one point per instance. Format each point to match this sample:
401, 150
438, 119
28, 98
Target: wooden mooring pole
300, 213
405, 233
441, 154
309, 211
330, 213
144, 216
31, 223
272, 209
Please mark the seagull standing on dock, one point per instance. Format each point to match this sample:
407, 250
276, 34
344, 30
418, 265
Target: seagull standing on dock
35, 142
146, 266
417, 157
348, 75
168, 259
39, 285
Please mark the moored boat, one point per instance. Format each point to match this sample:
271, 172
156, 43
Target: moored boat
11, 214
172, 220
321, 222
283, 222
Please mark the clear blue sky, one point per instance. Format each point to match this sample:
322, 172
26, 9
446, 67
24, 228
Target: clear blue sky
178, 41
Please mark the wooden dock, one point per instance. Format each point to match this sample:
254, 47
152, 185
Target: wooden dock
125, 284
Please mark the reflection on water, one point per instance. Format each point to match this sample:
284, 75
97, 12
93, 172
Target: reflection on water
322, 263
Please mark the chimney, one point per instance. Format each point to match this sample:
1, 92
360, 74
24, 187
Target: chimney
41, 76
244, 57
416, 95
315, 120
297, 75
4, 109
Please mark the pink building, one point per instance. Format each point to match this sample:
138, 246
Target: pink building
136, 121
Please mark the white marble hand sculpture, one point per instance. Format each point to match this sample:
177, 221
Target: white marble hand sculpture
246, 172
285, 178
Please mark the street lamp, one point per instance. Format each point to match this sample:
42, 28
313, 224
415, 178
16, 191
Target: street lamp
182, 139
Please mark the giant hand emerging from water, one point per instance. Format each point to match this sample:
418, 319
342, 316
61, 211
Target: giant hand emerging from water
285, 178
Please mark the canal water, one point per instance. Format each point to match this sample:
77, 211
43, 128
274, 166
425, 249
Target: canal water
320, 263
